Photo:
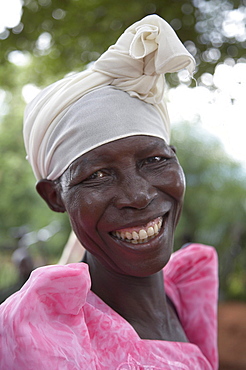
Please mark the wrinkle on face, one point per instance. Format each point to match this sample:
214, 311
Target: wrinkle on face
134, 186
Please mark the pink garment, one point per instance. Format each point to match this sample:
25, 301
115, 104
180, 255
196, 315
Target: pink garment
56, 322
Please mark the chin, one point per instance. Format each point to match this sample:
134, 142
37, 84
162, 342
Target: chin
144, 267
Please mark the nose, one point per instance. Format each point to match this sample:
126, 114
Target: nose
134, 192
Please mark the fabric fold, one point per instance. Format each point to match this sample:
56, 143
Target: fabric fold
136, 64
80, 331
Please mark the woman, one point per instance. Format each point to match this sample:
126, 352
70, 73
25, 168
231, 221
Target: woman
98, 143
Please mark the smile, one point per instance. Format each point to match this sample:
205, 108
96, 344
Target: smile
140, 234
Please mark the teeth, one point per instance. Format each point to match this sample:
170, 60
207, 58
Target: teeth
135, 235
150, 231
142, 236
128, 235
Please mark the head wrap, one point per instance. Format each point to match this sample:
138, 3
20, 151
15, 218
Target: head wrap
54, 125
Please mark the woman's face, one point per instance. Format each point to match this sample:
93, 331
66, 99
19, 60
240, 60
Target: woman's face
124, 200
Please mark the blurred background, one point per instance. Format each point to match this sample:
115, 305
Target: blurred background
44, 40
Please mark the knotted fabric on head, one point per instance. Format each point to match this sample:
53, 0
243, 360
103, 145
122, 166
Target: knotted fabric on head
62, 123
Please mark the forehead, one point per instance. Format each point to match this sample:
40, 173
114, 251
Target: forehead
135, 146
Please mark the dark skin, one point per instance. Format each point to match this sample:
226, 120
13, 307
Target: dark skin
120, 185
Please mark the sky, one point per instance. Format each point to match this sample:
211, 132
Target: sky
220, 110
10, 12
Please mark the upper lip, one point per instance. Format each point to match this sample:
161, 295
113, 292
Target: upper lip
139, 221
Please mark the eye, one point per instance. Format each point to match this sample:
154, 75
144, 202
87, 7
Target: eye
155, 159
96, 175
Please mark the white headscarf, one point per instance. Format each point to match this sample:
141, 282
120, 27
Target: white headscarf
136, 64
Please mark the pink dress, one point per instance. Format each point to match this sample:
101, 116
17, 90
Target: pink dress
56, 322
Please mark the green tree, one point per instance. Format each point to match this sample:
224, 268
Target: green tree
65, 36
214, 211
57, 37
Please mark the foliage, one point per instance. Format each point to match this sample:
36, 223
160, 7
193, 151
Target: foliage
65, 36
215, 208
19, 201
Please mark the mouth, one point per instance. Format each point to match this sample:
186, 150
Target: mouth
140, 234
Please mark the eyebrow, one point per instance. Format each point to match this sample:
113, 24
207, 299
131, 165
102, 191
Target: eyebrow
92, 161
153, 146
87, 164
105, 157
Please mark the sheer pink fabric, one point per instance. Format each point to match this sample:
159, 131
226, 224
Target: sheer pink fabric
56, 322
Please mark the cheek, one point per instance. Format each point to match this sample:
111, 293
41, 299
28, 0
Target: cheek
173, 183
85, 207
180, 184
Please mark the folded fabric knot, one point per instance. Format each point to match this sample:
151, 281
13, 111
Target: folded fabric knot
142, 55
144, 41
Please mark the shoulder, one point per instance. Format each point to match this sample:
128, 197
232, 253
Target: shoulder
191, 276
53, 286
192, 261
191, 281
50, 302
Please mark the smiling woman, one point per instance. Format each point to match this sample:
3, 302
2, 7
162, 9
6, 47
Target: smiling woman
98, 143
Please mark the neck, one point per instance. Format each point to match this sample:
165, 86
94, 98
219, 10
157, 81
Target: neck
140, 300
124, 292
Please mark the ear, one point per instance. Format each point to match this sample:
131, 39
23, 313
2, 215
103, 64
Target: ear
49, 191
